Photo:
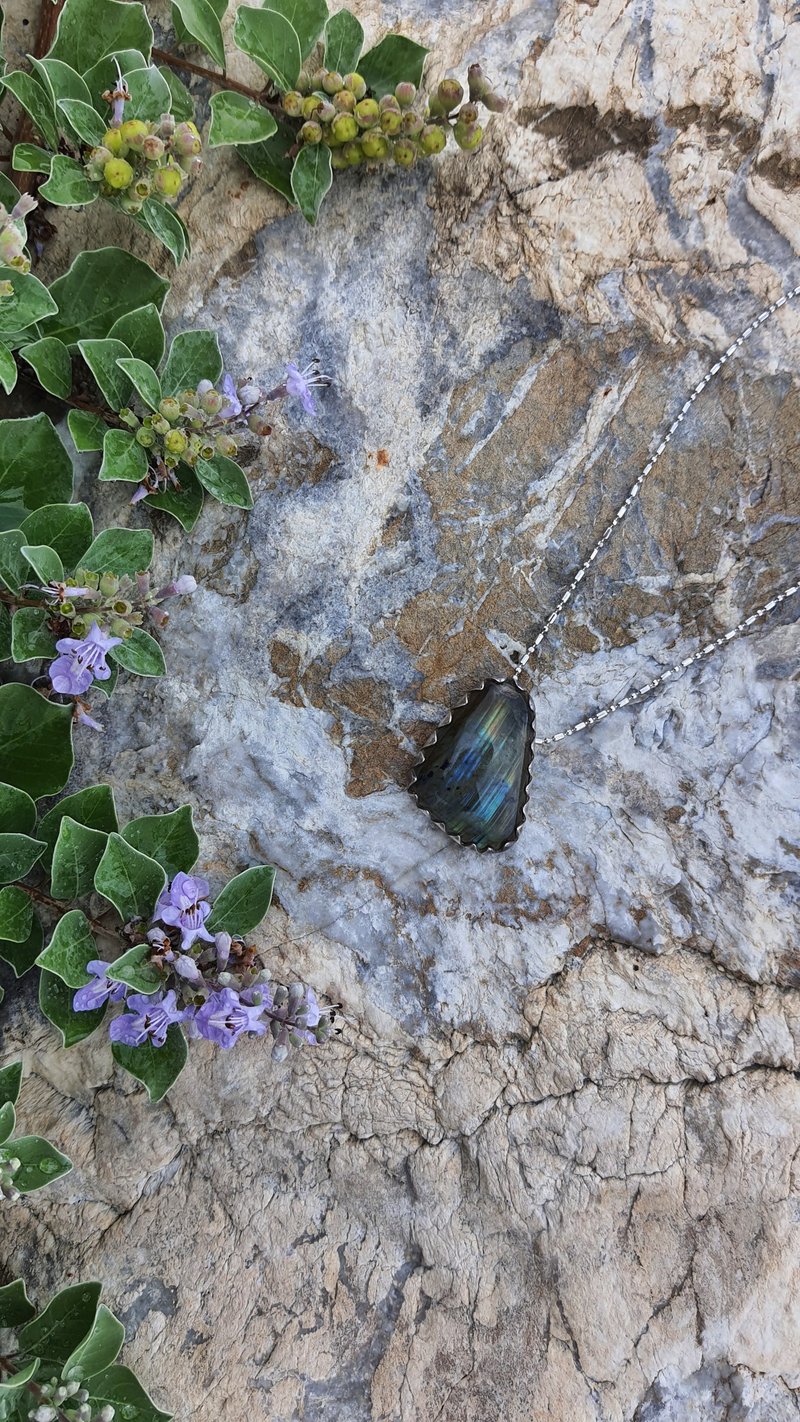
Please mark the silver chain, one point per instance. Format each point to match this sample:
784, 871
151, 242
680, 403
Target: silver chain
632, 495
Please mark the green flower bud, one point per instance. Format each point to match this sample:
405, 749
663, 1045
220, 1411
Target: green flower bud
121, 607
171, 461
332, 82
186, 140
161, 426
169, 408
468, 138
356, 85
338, 160
310, 106
128, 418
326, 112
449, 95
467, 115
118, 174
367, 113
293, 103
404, 153
344, 128
405, 94
375, 145
481, 91
134, 132
187, 397
120, 629
227, 446
344, 102
432, 139
211, 402
142, 188
168, 181
146, 438
66, 609
153, 148
353, 154
310, 133
130, 204
112, 140
175, 442
259, 425
207, 451
389, 102
413, 125
108, 584
391, 122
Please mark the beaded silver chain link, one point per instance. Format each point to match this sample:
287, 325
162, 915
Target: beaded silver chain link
631, 496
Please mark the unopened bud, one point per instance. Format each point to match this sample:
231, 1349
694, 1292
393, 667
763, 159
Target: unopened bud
259, 425
211, 402
169, 408
375, 145
356, 85
227, 445
310, 106
344, 102
176, 442
311, 132
344, 128
118, 174
404, 153
467, 115
367, 113
326, 112
332, 82
449, 94
249, 393
293, 103
405, 94
392, 122
468, 139
134, 132
168, 181
432, 139
413, 125
166, 125
353, 154
186, 140
153, 148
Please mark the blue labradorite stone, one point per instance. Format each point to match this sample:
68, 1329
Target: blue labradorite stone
474, 779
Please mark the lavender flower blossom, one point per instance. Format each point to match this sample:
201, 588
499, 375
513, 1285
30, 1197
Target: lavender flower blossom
224, 1017
23, 207
82, 717
102, 990
81, 661
300, 383
147, 1018
184, 905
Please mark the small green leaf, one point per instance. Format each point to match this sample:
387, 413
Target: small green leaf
35, 741
158, 1068
67, 528
15, 1306
60, 80
237, 119
18, 852
135, 969
170, 839
306, 17
143, 333
14, 567
85, 121
167, 226
243, 902
71, 947
17, 811
55, 1000
121, 551
68, 185
140, 653
16, 914
270, 160
29, 158
27, 302
51, 365
89, 29
8, 369
203, 25
33, 96
10, 1083
6, 637
225, 480
15, 1382
93, 807
35, 468
272, 42
98, 1350
45, 562
149, 94
8, 1120
185, 504
40, 1163
102, 356
144, 378
344, 41
87, 431
181, 106
22, 956
311, 178
32, 638
123, 457
394, 60
117, 1387
67, 1320
77, 853
129, 880
102, 286
193, 356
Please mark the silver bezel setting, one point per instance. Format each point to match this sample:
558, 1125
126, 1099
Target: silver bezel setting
527, 770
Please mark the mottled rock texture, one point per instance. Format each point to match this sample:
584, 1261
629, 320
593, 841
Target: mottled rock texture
550, 1169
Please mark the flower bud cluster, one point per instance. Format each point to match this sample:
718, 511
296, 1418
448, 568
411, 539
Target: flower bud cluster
8, 1169
339, 112
58, 1400
137, 160
13, 234
119, 603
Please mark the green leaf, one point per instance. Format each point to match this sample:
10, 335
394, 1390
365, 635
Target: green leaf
93, 807
170, 839
14, 566
225, 480
10, 1083
35, 468
344, 41
129, 880
167, 226
11, 516
185, 504
149, 94
71, 947
270, 160
134, 969
77, 853
8, 369
391, 62
158, 1068
45, 562
67, 1320
36, 101
202, 24
67, 528
15, 1306
103, 74
144, 378
55, 1000
61, 80
102, 356
40, 1163
16, 914
68, 185
243, 902
85, 121
29, 158
6, 638
181, 106
117, 1387
98, 1350
17, 811
142, 332
35, 741
18, 852
89, 29
311, 178
306, 17
51, 365
8, 1120
102, 286
140, 653
121, 551
15, 1383
22, 956
193, 356
123, 457
27, 303
87, 431
272, 42
32, 638
237, 119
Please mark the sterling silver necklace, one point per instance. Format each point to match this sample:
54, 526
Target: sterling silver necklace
473, 775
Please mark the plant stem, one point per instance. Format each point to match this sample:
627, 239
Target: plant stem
46, 901
222, 81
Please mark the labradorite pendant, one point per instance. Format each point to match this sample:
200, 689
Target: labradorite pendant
473, 775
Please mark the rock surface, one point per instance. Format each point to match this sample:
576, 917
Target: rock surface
550, 1169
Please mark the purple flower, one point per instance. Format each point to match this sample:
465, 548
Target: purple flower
183, 905
146, 1019
23, 207
300, 383
222, 943
83, 718
81, 661
224, 1017
186, 967
101, 990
